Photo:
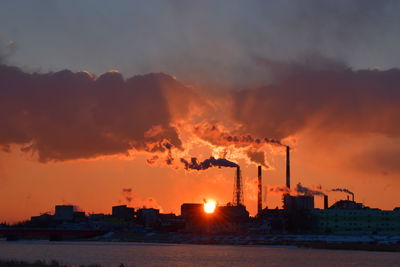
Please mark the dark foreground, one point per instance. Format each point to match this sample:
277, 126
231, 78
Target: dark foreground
387, 243
85, 253
16, 263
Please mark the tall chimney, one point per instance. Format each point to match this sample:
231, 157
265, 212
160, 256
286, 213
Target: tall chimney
287, 166
352, 196
259, 200
238, 191
326, 202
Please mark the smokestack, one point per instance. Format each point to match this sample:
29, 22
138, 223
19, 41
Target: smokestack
352, 196
259, 200
287, 166
326, 202
238, 191
348, 197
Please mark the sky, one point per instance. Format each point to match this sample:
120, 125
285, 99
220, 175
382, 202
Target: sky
103, 102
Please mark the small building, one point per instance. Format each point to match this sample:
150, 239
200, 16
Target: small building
64, 213
273, 221
79, 216
123, 212
149, 217
191, 210
170, 222
43, 220
224, 219
303, 202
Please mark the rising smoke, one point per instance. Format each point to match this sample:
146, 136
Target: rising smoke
131, 199
208, 163
298, 190
303, 190
342, 190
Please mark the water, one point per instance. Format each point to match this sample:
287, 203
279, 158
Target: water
139, 254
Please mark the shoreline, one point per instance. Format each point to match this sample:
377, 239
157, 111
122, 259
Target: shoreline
335, 242
364, 243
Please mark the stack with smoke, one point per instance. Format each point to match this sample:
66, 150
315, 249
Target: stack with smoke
344, 190
132, 199
208, 163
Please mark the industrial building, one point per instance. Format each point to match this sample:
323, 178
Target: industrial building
67, 213
123, 212
225, 219
347, 216
298, 202
149, 217
298, 215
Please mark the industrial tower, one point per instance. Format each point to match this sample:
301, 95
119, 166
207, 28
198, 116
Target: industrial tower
238, 189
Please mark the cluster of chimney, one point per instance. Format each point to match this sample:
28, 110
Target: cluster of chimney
259, 193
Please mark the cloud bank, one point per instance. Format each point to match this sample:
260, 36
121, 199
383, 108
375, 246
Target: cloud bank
70, 115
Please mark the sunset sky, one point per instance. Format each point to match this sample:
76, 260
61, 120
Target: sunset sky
101, 102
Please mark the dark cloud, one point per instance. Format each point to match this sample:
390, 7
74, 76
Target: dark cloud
7, 48
66, 115
379, 160
322, 94
218, 43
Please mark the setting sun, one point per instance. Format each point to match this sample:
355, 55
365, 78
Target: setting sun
209, 206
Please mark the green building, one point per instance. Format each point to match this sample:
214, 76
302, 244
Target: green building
349, 217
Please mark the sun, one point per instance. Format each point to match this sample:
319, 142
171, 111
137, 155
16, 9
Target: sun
209, 206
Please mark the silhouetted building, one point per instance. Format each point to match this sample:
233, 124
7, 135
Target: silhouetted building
347, 204
123, 212
149, 217
273, 221
79, 216
64, 213
170, 222
191, 210
347, 216
298, 202
224, 219
43, 220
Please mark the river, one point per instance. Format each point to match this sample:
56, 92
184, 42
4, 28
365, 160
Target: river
140, 254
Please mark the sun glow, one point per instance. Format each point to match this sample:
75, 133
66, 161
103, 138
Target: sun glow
209, 206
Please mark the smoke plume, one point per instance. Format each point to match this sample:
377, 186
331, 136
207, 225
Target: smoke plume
132, 199
302, 190
208, 163
298, 190
220, 137
342, 190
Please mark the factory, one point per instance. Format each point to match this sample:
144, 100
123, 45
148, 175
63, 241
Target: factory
230, 218
298, 214
343, 217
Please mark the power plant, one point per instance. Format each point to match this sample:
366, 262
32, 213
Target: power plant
298, 215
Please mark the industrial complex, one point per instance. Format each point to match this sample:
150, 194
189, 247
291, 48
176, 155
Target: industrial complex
298, 216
